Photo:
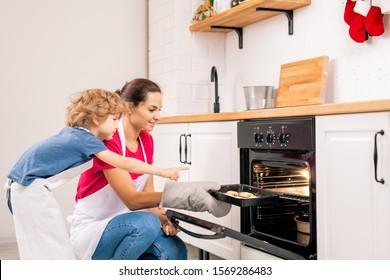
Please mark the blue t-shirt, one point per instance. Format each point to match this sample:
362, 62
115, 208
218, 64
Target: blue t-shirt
69, 148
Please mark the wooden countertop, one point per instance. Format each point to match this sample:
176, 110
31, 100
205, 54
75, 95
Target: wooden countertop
310, 110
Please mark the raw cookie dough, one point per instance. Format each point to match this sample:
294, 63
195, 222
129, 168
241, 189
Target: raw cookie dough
246, 194
232, 193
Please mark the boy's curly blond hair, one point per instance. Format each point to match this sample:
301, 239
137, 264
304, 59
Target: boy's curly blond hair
92, 103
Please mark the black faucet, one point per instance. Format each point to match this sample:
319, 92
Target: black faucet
214, 78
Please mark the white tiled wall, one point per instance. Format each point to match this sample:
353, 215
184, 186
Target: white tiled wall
180, 61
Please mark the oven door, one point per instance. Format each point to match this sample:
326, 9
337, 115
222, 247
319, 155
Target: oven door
222, 232
292, 175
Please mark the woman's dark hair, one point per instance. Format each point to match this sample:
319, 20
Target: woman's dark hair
137, 90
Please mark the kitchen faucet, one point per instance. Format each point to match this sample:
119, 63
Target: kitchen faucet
214, 78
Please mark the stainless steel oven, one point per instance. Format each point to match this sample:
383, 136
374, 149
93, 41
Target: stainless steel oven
277, 168
279, 155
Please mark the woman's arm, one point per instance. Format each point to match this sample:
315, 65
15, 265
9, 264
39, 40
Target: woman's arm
123, 185
121, 182
149, 188
168, 227
137, 166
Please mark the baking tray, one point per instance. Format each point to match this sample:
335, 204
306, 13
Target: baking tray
262, 197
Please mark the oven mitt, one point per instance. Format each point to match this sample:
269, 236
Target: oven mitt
193, 196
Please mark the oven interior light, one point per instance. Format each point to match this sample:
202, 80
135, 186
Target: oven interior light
305, 173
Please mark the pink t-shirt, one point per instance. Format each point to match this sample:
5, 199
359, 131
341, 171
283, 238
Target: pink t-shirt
93, 179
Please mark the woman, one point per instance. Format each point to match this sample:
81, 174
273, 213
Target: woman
102, 226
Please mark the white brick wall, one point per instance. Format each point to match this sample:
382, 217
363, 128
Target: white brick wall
180, 61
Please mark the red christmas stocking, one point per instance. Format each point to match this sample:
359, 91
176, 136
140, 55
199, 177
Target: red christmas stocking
349, 12
374, 21
356, 30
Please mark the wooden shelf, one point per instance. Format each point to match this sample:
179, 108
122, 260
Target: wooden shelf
245, 14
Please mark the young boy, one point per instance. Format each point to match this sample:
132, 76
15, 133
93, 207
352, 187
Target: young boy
92, 117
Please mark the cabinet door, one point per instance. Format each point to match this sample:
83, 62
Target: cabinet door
166, 154
166, 150
353, 209
248, 253
215, 157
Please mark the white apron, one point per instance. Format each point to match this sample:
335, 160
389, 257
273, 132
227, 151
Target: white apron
93, 212
41, 231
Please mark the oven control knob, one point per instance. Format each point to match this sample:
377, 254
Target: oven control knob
270, 138
284, 138
259, 138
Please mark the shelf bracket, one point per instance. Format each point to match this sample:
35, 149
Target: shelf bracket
237, 29
289, 14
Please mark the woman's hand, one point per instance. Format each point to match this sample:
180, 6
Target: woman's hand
193, 196
167, 226
173, 173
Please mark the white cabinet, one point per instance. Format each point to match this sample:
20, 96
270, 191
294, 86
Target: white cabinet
248, 253
214, 156
166, 150
353, 209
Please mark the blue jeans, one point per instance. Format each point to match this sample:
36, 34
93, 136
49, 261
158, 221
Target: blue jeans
138, 235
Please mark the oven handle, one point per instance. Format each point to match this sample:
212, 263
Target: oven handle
222, 232
217, 235
175, 216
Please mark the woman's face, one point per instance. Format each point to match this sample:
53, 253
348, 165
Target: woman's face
147, 113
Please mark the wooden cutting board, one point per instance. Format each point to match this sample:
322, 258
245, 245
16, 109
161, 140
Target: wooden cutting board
303, 82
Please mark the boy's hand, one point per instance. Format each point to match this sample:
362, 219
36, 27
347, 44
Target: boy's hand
173, 173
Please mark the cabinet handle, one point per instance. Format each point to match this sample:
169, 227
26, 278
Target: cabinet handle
186, 149
181, 147
382, 181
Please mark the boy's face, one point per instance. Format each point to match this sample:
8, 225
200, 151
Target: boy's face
107, 128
